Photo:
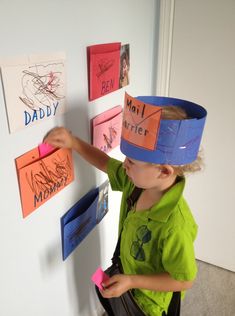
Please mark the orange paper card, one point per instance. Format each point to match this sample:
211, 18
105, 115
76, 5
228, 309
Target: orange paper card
40, 178
141, 123
103, 69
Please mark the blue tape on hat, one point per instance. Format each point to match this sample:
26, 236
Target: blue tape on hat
178, 140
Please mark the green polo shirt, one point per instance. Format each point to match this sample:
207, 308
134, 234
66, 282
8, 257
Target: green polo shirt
156, 240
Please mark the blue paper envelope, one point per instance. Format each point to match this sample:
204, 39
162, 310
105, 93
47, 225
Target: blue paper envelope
81, 218
78, 222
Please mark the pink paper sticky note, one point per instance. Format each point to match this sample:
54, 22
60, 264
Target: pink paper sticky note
45, 149
98, 277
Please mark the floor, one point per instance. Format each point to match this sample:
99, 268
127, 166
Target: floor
213, 293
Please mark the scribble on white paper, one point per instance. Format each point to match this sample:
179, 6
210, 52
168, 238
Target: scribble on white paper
42, 85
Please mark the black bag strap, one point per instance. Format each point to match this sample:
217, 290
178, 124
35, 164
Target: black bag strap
130, 203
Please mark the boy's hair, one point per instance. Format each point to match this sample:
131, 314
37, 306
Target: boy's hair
172, 112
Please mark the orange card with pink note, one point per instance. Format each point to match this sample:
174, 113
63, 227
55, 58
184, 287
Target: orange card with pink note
42, 173
106, 129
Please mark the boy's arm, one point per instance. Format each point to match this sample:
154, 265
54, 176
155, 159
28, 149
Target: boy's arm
62, 138
163, 282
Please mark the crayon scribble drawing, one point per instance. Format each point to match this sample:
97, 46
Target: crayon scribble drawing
41, 178
103, 65
106, 71
33, 92
42, 86
107, 127
111, 138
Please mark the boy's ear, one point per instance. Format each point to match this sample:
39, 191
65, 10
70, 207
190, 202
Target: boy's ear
166, 171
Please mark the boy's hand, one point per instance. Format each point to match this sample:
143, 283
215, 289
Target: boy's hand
59, 137
116, 286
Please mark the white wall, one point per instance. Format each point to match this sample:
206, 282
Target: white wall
203, 70
33, 278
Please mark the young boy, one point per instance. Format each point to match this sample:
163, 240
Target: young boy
157, 234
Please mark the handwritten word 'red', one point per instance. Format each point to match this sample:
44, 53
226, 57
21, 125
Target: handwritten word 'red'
35, 115
48, 180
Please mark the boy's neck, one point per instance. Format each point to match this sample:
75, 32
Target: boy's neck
152, 196
163, 186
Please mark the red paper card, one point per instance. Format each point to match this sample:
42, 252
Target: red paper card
103, 69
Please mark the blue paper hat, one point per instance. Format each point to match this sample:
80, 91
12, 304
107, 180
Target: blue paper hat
177, 141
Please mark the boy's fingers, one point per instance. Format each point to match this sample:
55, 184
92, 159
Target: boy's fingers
52, 134
109, 282
49, 133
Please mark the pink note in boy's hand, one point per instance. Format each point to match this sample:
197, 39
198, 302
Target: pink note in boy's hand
99, 277
45, 149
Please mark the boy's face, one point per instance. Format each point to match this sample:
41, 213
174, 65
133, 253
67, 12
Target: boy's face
142, 174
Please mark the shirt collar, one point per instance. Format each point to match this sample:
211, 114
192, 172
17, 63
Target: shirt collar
163, 209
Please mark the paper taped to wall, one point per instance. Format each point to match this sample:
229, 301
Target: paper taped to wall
34, 89
41, 177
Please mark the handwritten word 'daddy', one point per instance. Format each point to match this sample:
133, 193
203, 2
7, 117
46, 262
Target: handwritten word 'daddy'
35, 115
140, 123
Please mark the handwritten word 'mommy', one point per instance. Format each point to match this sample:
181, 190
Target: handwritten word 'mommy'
35, 115
49, 179
43, 195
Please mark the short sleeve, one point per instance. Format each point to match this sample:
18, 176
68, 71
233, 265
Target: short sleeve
117, 175
178, 256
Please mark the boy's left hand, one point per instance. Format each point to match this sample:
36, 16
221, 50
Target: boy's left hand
116, 286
